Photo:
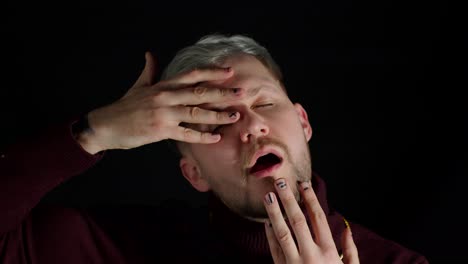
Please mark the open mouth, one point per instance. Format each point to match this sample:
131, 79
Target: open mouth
265, 162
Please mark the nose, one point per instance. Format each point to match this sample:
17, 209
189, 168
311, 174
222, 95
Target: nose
254, 126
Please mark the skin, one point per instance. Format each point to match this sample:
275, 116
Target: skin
322, 249
150, 112
264, 112
221, 118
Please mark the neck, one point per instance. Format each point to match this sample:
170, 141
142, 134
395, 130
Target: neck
248, 233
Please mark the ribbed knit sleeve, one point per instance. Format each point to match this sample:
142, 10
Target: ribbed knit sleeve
34, 166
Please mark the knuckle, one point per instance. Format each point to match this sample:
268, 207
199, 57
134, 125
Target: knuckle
156, 125
289, 199
199, 91
319, 215
298, 220
194, 111
158, 97
155, 113
187, 133
155, 116
284, 236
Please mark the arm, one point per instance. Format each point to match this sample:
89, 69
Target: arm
147, 113
36, 165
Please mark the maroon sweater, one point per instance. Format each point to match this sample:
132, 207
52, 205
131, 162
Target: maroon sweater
170, 233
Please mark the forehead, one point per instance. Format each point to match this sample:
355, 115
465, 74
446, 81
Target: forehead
247, 64
250, 75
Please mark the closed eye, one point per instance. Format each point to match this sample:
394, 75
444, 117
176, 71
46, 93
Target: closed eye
263, 105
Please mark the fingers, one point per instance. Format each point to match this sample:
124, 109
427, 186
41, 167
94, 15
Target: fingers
197, 115
318, 218
350, 252
192, 136
295, 215
275, 248
280, 228
280, 239
201, 75
198, 95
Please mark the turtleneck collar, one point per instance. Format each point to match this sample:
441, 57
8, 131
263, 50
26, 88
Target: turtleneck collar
249, 236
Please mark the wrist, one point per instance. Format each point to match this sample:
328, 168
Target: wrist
85, 135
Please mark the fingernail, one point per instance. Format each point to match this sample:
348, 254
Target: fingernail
305, 185
233, 115
215, 137
270, 198
281, 183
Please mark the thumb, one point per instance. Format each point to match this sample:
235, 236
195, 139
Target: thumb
148, 75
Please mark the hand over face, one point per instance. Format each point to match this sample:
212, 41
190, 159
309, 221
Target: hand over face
150, 112
322, 249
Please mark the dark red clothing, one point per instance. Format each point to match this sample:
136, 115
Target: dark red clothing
170, 233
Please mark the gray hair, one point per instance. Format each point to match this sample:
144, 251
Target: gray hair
212, 50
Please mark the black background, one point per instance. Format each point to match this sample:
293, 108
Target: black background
383, 83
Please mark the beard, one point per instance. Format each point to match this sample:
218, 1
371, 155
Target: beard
248, 204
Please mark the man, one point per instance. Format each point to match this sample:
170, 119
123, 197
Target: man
240, 138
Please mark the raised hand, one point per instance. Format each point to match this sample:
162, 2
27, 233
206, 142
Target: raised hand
150, 112
320, 250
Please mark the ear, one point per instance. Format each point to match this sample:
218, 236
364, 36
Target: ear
304, 120
191, 172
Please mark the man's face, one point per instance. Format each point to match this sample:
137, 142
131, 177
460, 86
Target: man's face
269, 141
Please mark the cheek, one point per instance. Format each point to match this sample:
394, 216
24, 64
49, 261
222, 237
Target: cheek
294, 137
217, 157
288, 120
